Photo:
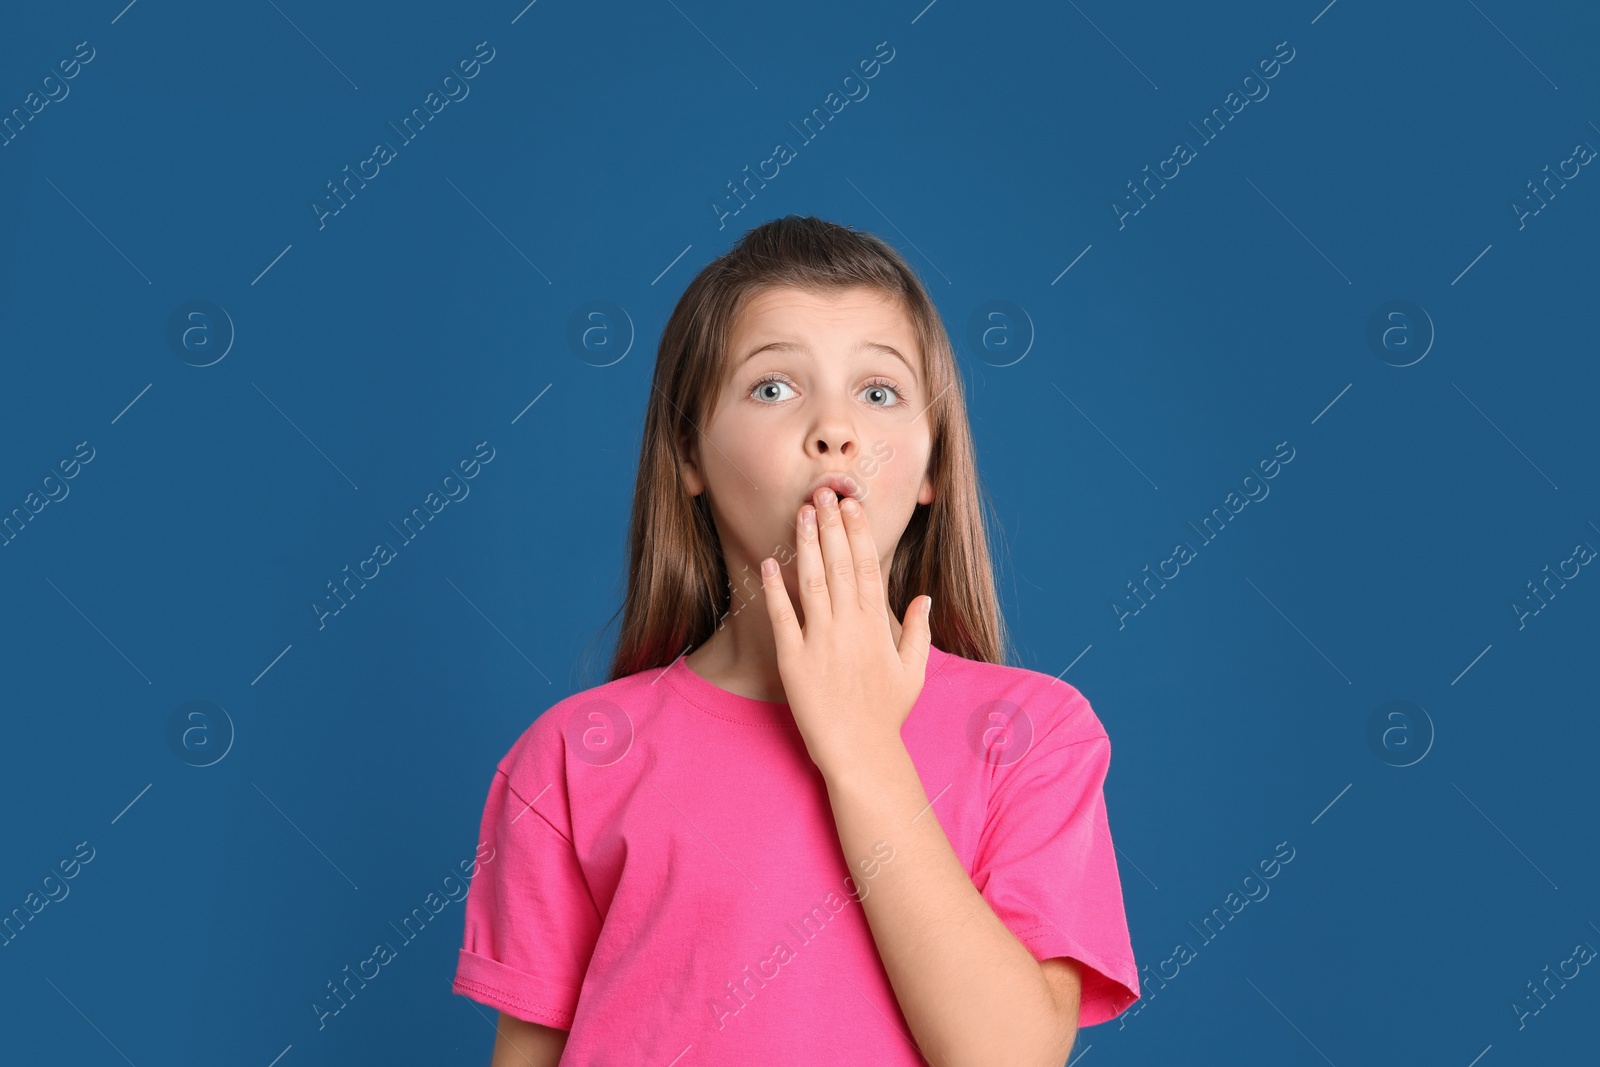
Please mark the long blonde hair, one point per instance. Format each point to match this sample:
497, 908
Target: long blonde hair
678, 587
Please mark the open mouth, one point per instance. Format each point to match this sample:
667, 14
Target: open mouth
841, 489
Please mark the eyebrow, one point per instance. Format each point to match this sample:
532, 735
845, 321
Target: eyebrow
797, 346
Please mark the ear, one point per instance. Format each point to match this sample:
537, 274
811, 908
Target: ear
925, 493
689, 467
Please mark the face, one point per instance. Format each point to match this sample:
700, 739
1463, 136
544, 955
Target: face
813, 388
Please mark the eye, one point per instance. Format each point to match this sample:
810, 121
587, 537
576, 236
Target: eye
882, 386
771, 379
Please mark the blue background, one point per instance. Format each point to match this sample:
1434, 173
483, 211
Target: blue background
1441, 860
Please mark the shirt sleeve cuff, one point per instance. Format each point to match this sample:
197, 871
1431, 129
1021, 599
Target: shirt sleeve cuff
1108, 988
528, 997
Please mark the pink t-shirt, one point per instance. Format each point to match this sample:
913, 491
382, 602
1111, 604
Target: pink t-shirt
667, 882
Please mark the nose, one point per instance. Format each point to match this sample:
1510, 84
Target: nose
834, 440
833, 434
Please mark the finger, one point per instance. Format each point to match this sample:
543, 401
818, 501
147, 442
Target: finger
864, 551
810, 578
916, 633
780, 609
837, 558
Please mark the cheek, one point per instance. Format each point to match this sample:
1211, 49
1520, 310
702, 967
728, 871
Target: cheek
746, 470
731, 448
891, 464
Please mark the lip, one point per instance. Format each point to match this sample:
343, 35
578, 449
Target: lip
842, 486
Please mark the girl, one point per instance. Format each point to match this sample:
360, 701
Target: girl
810, 818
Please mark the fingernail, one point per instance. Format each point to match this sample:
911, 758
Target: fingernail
769, 567
849, 506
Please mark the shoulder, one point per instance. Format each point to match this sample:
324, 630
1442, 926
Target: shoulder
1051, 707
588, 721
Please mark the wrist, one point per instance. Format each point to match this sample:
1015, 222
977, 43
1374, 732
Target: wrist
868, 765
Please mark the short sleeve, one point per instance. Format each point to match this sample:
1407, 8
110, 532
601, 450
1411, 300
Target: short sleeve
1046, 865
531, 923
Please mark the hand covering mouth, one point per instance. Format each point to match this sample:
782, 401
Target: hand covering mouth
842, 486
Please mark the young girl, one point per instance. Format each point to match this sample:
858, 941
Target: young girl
809, 819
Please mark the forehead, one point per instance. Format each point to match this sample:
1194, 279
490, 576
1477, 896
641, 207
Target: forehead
845, 315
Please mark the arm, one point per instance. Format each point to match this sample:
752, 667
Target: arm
970, 990
519, 1043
